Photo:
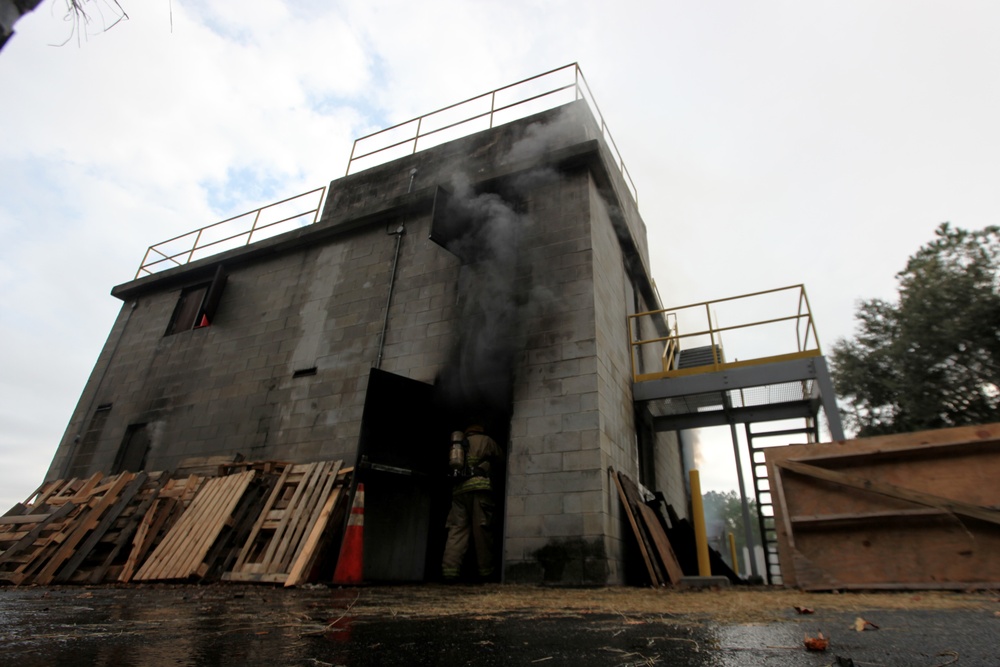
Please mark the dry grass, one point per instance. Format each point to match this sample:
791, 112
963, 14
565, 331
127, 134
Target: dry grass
734, 605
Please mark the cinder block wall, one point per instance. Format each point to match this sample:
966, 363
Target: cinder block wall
230, 387
554, 485
316, 298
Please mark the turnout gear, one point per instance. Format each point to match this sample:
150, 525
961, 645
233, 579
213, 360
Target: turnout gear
472, 506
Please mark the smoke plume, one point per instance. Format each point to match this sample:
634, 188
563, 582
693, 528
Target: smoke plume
497, 296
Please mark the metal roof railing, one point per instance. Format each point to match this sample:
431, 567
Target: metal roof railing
239, 230
517, 100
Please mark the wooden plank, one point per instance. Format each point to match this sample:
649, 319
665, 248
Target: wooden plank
24, 519
635, 529
302, 474
204, 522
662, 544
806, 521
893, 491
226, 547
635, 499
199, 523
160, 518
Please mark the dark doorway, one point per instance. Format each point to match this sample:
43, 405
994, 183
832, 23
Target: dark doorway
132, 454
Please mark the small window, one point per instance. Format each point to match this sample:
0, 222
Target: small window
84, 455
197, 305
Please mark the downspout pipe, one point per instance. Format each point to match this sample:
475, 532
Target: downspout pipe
400, 231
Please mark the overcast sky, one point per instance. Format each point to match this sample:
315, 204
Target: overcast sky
772, 143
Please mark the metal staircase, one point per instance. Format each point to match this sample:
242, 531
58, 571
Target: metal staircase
762, 491
683, 381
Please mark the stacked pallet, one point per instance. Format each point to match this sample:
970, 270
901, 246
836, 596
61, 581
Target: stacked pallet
283, 543
51, 534
263, 521
184, 551
168, 504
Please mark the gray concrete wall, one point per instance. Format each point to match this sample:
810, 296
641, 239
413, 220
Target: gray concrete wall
555, 483
316, 298
229, 387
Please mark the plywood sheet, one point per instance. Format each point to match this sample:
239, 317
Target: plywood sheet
915, 510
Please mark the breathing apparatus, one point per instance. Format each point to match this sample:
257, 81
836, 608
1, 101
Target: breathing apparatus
458, 454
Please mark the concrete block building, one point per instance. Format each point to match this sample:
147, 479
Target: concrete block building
487, 278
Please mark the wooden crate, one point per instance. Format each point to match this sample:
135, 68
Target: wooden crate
908, 511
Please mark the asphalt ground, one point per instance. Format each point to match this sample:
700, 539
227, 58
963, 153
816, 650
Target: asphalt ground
158, 625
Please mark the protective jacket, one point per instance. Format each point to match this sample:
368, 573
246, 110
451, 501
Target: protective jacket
483, 452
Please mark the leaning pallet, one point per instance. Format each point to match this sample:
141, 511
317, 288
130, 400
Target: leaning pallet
103, 555
297, 503
309, 552
183, 551
22, 557
166, 509
79, 508
97, 519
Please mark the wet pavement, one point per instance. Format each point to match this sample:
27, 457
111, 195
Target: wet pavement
230, 625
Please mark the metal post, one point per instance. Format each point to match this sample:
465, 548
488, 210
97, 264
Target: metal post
711, 336
828, 398
732, 553
416, 137
744, 507
388, 299
700, 534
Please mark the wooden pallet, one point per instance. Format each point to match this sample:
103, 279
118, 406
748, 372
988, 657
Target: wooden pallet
182, 553
303, 498
331, 513
169, 503
57, 525
103, 555
23, 556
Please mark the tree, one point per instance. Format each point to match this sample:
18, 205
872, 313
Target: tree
930, 360
724, 514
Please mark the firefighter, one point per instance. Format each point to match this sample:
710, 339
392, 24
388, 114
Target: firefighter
472, 506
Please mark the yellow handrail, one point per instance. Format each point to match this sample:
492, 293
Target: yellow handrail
802, 342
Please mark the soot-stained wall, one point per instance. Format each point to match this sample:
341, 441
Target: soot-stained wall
523, 317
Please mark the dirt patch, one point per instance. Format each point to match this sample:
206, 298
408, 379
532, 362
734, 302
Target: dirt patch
733, 605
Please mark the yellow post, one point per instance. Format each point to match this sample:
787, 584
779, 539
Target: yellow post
698, 518
732, 552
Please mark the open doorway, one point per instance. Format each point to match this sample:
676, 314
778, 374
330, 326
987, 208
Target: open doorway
403, 463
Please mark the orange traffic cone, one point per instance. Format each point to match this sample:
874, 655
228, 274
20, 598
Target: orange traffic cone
351, 560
